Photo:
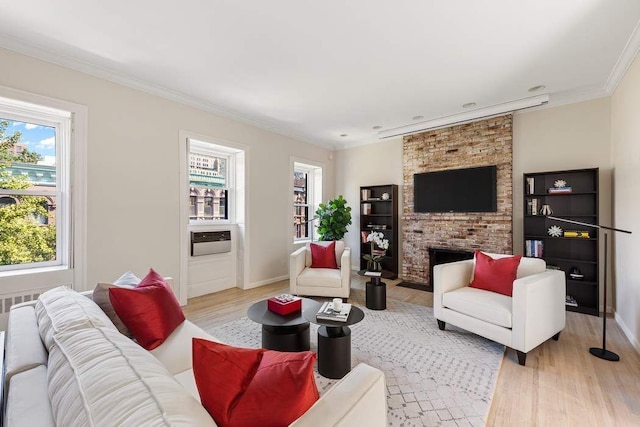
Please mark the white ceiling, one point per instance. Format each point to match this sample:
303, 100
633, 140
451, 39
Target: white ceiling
315, 70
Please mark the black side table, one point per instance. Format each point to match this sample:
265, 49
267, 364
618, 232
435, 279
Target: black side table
283, 333
334, 342
376, 290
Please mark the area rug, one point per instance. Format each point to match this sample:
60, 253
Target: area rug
434, 378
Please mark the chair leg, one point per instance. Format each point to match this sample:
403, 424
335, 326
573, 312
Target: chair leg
556, 337
441, 324
522, 357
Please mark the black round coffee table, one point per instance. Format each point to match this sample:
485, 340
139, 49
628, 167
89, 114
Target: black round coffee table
376, 289
283, 333
334, 342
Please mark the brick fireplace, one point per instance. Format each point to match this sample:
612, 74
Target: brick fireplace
481, 143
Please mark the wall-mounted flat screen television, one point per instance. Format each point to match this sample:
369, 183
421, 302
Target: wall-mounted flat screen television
456, 190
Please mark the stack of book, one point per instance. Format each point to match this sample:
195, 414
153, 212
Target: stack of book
560, 190
326, 312
533, 206
530, 185
533, 248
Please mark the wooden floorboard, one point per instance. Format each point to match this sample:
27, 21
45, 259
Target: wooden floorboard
561, 384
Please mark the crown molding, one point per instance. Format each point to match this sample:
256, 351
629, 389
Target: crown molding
624, 61
46, 55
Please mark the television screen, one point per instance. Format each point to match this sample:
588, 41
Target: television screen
456, 190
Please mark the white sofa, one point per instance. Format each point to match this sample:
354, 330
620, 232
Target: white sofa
321, 282
533, 314
67, 365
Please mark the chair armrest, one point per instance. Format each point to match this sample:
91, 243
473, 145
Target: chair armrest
448, 277
538, 306
296, 265
359, 399
345, 268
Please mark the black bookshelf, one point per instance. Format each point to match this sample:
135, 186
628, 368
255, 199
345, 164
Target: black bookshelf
566, 253
380, 213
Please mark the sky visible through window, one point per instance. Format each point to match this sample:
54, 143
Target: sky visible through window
37, 139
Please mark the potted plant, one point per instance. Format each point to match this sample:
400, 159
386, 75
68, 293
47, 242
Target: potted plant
333, 219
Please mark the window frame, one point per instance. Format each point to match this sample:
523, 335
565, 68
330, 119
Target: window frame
210, 148
314, 196
63, 122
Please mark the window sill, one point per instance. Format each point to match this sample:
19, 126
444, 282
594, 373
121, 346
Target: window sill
35, 270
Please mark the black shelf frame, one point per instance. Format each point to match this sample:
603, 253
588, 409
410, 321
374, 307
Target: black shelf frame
383, 213
581, 204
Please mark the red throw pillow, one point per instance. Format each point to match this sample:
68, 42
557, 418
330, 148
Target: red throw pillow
150, 310
495, 275
253, 387
323, 256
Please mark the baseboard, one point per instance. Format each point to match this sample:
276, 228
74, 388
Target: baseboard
632, 339
267, 281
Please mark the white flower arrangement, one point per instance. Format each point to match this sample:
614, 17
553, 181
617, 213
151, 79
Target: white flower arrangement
376, 239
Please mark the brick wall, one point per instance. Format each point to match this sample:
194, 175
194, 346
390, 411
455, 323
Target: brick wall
482, 143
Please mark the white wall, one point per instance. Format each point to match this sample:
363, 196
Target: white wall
575, 136
375, 164
625, 136
133, 173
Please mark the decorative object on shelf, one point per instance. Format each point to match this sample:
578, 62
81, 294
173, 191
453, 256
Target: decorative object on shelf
554, 231
546, 210
365, 194
569, 300
333, 219
366, 209
378, 241
385, 196
576, 274
560, 183
601, 353
579, 234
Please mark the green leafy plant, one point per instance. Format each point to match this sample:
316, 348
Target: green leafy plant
333, 217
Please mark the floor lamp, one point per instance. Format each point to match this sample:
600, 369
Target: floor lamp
602, 353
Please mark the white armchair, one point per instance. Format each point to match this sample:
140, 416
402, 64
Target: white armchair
322, 282
535, 312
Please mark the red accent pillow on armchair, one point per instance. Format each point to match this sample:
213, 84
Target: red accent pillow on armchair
495, 274
150, 310
323, 256
253, 387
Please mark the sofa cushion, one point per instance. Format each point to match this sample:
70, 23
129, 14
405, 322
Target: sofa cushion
62, 309
495, 275
23, 347
100, 377
150, 310
339, 246
101, 297
322, 277
489, 306
323, 256
175, 352
28, 403
242, 387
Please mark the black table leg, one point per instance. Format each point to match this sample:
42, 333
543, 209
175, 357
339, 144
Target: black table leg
334, 351
286, 338
376, 294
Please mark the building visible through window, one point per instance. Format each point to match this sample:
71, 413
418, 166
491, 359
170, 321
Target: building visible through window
307, 193
209, 182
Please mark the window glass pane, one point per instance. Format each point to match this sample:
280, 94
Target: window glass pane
27, 166
300, 205
208, 181
300, 187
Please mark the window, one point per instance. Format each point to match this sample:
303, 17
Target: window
211, 180
307, 193
34, 186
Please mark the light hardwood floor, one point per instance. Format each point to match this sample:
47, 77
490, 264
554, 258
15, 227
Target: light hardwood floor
561, 385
